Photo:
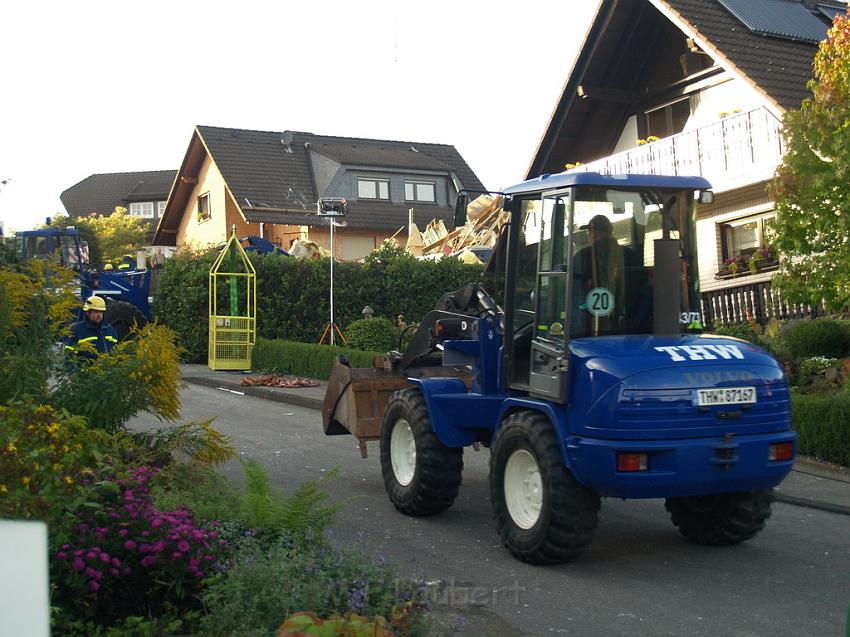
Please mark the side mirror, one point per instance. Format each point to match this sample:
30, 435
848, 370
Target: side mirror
461, 203
706, 196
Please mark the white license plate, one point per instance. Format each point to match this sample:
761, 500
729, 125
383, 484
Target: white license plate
725, 396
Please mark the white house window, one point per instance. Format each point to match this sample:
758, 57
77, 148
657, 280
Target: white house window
142, 209
745, 241
160, 208
204, 207
419, 191
373, 188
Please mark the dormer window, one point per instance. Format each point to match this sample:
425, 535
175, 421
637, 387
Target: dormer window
373, 188
142, 209
420, 191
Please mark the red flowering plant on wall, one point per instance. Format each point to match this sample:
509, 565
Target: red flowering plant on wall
128, 558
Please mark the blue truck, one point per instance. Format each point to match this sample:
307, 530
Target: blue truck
581, 362
126, 291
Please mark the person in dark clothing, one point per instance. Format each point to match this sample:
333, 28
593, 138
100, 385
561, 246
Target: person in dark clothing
599, 270
92, 330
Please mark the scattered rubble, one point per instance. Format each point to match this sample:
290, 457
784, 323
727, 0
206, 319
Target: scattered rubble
276, 380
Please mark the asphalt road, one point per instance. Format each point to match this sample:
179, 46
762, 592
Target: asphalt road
639, 577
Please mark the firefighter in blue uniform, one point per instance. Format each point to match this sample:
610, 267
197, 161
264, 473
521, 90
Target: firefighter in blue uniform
92, 329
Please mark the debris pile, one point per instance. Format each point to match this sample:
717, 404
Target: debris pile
485, 218
276, 380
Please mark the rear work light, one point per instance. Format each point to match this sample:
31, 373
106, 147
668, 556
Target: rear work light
780, 451
631, 462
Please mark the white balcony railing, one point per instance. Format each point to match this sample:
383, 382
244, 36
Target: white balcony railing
729, 152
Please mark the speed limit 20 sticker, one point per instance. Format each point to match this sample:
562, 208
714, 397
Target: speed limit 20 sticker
600, 301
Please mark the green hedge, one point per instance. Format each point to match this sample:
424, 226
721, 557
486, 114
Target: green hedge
822, 423
304, 359
292, 294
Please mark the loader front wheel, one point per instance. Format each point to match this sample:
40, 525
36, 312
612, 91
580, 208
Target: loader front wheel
721, 520
543, 514
421, 475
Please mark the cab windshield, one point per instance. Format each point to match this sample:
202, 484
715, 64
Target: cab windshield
614, 235
587, 262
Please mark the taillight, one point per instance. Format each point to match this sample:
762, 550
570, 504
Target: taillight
780, 451
632, 462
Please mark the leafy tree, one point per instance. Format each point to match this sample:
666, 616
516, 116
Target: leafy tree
118, 233
812, 187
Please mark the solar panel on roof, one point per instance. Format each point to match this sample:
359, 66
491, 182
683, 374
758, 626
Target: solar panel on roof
788, 19
831, 11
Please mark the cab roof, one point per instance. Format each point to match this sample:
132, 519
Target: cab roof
567, 179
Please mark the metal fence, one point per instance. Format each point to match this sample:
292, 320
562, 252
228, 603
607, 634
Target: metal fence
755, 302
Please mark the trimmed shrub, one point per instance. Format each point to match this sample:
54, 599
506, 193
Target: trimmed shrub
746, 331
304, 359
817, 337
822, 423
372, 335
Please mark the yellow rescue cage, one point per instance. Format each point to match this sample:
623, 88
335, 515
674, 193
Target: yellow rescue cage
233, 308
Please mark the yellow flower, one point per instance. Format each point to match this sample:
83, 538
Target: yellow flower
52, 428
56, 466
66, 448
3, 488
68, 480
11, 448
25, 479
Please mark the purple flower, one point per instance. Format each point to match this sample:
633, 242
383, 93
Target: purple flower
104, 558
115, 561
123, 532
176, 555
78, 564
130, 545
183, 546
94, 586
114, 572
62, 555
148, 561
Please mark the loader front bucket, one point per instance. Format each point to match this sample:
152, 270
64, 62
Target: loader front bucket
356, 400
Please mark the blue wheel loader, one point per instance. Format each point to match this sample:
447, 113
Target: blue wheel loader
581, 362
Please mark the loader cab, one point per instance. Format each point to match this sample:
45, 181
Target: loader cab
590, 256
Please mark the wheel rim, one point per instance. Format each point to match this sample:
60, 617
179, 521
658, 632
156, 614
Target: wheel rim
403, 452
523, 489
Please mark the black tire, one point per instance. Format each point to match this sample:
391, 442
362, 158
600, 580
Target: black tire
436, 476
568, 513
719, 520
124, 317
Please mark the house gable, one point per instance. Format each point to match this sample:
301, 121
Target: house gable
629, 63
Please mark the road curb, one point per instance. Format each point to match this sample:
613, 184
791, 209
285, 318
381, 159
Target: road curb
812, 504
258, 391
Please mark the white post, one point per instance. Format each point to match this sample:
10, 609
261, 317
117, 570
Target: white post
331, 221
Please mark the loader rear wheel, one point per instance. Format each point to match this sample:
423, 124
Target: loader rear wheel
421, 475
543, 514
124, 317
724, 519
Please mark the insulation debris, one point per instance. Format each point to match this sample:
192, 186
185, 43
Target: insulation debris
276, 380
485, 218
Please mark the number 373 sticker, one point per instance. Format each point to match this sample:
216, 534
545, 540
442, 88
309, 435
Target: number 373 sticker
600, 302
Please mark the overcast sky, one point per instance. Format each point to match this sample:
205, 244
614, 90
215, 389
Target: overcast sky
95, 87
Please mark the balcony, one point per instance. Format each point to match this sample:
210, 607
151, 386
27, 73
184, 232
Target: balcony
732, 152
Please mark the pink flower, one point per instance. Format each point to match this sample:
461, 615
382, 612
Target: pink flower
183, 546
130, 545
78, 564
62, 555
94, 586
148, 561
104, 558
123, 532
114, 572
